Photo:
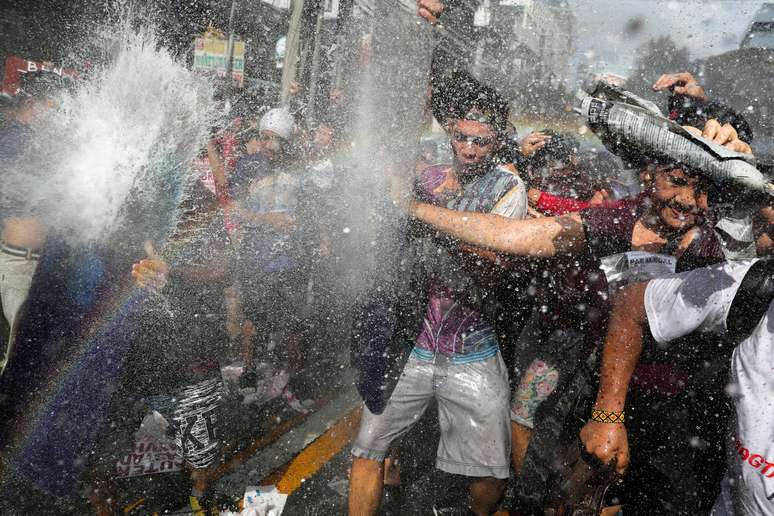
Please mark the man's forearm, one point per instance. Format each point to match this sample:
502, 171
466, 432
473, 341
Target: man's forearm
546, 236
623, 346
217, 164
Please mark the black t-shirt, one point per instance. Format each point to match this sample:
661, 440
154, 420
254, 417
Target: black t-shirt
609, 231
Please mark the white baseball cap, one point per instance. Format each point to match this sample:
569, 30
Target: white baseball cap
279, 121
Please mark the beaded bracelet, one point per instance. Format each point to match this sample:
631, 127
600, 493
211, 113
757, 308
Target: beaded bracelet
604, 416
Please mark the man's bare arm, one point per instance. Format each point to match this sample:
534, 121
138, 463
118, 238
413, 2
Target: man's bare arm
623, 346
608, 441
547, 236
216, 163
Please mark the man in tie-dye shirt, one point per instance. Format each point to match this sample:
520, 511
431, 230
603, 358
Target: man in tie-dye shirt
456, 356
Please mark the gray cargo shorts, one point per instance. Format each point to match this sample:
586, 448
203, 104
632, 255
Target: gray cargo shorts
473, 412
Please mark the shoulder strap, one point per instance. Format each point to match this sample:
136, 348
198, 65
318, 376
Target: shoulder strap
752, 300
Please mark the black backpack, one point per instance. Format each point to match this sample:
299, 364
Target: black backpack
751, 301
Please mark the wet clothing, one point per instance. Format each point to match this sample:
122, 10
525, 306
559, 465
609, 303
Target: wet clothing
268, 258
699, 301
608, 234
71, 345
16, 274
316, 209
453, 323
263, 248
456, 357
179, 341
246, 169
273, 301
561, 374
272, 282
541, 378
475, 437
16, 151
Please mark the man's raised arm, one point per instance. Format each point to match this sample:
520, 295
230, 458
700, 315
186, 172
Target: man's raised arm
548, 236
607, 441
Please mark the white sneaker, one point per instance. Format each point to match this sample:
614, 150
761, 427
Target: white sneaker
294, 403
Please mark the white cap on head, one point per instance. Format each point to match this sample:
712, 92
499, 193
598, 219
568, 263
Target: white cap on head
279, 121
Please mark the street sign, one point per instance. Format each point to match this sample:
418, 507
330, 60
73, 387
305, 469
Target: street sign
210, 56
16, 66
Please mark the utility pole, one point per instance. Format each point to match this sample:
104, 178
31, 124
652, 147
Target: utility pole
314, 75
291, 53
344, 41
230, 53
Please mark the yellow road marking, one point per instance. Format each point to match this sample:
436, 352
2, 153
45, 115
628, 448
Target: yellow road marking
132, 506
259, 443
316, 455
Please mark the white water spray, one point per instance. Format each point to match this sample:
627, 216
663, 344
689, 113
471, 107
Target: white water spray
128, 132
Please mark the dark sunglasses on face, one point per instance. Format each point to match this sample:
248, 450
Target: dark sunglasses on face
479, 141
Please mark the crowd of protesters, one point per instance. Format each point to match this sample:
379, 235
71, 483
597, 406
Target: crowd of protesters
585, 247
536, 265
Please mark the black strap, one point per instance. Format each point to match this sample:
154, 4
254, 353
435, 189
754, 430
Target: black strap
752, 299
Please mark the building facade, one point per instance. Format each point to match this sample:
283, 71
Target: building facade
524, 41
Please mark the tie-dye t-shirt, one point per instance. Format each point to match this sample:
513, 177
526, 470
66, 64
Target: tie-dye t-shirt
453, 324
